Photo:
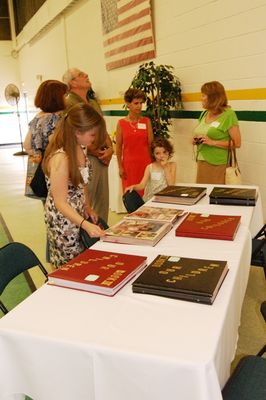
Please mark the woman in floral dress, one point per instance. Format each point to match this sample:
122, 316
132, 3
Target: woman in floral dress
50, 100
66, 167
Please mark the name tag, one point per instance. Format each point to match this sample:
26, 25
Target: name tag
141, 125
173, 259
156, 176
215, 124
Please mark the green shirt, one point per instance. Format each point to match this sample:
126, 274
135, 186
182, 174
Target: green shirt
215, 130
73, 98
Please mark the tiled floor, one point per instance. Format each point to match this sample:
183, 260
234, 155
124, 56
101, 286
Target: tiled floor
24, 218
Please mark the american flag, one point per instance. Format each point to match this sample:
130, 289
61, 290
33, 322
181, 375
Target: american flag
127, 30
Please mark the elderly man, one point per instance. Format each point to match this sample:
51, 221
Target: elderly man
79, 84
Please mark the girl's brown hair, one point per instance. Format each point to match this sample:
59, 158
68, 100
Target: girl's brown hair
80, 118
217, 100
132, 94
50, 96
161, 142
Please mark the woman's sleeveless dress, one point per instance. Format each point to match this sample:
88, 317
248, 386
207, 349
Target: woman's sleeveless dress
63, 235
136, 150
156, 183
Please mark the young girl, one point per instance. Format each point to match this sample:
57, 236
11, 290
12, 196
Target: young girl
68, 171
160, 173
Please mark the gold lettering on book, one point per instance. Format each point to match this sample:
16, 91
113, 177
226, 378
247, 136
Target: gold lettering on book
170, 270
218, 224
158, 262
114, 277
110, 266
172, 265
88, 261
206, 223
192, 274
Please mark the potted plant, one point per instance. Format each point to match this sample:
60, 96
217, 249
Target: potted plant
163, 94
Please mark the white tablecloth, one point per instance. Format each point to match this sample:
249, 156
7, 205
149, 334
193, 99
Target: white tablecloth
66, 344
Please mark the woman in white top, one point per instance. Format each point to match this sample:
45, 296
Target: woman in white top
160, 173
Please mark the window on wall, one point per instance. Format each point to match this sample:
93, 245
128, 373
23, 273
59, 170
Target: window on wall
24, 11
5, 31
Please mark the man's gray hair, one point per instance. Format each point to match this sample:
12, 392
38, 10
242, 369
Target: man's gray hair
69, 75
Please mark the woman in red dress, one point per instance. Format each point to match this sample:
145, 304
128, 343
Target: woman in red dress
133, 138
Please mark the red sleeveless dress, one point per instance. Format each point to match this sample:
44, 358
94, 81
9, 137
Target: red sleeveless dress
135, 152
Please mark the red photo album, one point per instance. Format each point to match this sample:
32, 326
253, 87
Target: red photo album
98, 271
209, 226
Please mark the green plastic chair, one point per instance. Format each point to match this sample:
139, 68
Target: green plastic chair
16, 258
248, 381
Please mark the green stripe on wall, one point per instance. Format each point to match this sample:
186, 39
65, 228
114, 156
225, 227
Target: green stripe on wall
254, 116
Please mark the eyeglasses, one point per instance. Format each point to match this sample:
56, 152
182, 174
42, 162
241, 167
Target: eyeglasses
80, 75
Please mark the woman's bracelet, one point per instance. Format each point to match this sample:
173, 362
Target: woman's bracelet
80, 225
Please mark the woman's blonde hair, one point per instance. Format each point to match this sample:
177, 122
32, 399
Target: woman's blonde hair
217, 100
80, 118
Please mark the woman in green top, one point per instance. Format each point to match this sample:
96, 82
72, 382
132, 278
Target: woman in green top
216, 126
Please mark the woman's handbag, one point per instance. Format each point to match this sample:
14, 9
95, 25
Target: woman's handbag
86, 239
232, 172
35, 181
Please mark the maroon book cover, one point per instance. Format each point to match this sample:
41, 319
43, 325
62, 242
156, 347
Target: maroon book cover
209, 226
98, 271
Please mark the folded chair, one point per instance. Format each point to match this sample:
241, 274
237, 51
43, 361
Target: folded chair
258, 255
263, 311
248, 381
16, 258
132, 201
86, 239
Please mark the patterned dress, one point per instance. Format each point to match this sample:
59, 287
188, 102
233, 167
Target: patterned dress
42, 126
63, 235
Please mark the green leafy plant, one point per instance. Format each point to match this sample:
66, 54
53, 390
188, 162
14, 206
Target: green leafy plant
163, 94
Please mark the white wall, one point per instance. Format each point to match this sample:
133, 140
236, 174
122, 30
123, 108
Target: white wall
203, 39
9, 71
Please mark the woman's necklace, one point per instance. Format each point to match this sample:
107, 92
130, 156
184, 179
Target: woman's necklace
133, 123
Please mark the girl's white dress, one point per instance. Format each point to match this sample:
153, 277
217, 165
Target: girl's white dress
156, 183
